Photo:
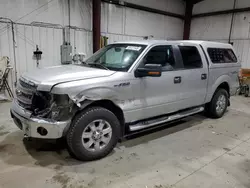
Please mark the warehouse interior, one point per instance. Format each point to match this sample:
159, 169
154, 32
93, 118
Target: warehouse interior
195, 152
40, 24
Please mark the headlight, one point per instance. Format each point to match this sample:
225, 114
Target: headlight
61, 107
52, 106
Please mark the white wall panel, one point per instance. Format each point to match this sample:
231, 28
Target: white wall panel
159, 26
5, 40
175, 6
119, 20
104, 17
242, 3
212, 27
173, 28
117, 37
48, 41
26, 11
218, 5
241, 26
142, 23
51, 11
115, 19
212, 5
81, 13
242, 48
81, 42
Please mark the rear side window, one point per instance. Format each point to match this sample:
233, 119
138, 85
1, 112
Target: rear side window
191, 57
221, 55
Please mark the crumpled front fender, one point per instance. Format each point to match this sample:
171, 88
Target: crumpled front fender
86, 97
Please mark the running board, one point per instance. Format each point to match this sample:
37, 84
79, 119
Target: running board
150, 123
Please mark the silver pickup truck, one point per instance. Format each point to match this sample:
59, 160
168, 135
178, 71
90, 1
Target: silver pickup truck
124, 88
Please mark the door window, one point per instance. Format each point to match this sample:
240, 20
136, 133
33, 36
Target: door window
191, 57
162, 55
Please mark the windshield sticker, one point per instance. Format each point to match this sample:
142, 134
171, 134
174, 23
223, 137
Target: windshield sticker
135, 48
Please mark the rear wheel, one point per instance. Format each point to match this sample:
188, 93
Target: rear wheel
93, 134
246, 91
218, 105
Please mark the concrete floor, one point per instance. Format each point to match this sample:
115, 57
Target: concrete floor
197, 152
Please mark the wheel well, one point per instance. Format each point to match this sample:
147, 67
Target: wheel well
225, 86
111, 107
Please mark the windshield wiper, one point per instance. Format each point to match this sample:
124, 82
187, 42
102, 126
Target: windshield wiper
97, 64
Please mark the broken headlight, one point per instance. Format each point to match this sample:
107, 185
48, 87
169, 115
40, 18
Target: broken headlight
61, 107
52, 106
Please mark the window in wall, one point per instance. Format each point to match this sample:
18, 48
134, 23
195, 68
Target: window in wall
162, 55
221, 55
191, 57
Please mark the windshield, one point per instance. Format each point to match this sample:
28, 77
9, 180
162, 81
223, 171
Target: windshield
118, 57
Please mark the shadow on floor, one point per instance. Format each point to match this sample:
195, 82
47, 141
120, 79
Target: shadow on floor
162, 131
44, 153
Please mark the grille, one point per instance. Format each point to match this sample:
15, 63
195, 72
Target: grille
27, 85
24, 99
25, 92
24, 105
27, 96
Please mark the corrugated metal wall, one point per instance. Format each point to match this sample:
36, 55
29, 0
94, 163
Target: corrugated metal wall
174, 6
131, 23
48, 40
217, 28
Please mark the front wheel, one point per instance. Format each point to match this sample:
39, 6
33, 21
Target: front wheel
246, 91
93, 134
218, 105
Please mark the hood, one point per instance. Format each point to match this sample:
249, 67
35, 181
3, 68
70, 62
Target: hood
65, 73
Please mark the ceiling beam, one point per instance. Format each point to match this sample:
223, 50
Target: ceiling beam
187, 19
193, 1
143, 8
96, 26
196, 1
216, 13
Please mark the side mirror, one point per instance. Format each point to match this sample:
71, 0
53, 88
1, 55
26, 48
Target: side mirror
152, 70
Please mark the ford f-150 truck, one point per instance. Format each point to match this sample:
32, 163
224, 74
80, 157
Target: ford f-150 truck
124, 88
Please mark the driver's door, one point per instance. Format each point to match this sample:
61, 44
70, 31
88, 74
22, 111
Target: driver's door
161, 95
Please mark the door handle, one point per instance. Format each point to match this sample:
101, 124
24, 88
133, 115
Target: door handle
177, 79
204, 76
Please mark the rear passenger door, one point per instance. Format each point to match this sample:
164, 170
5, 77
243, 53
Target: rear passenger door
194, 76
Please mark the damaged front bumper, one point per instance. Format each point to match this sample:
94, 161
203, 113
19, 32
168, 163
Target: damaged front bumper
37, 127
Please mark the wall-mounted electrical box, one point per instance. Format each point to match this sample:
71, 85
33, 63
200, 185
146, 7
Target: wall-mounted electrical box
66, 54
37, 55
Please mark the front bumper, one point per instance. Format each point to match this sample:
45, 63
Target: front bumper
32, 126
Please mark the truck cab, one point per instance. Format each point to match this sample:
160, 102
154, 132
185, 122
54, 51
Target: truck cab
124, 88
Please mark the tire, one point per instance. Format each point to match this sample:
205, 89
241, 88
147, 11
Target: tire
212, 109
62, 142
101, 130
246, 91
